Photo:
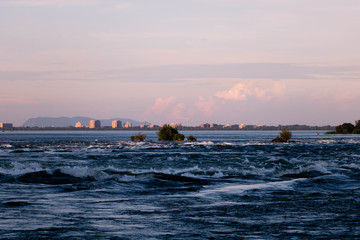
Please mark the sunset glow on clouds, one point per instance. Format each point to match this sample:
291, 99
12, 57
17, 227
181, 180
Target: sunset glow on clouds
160, 105
260, 89
171, 61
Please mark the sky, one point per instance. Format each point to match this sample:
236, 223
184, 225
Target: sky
263, 62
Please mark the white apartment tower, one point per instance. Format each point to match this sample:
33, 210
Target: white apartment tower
116, 124
95, 124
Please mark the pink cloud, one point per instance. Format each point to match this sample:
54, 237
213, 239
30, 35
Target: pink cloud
264, 90
160, 105
238, 92
206, 106
178, 112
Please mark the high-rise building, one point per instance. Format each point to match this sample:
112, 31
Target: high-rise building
116, 124
95, 124
79, 125
205, 125
128, 125
175, 125
6, 126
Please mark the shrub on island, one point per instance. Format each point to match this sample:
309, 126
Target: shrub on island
191, 138
347, 128
138, 138
168, 133
284, 136
179, 137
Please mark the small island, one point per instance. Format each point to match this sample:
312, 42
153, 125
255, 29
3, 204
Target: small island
347, 128
138, 138
283, 137
168, 133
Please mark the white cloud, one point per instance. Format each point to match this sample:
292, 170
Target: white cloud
238, 92
264, 90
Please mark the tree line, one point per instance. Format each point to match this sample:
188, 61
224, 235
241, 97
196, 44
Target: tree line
347, 128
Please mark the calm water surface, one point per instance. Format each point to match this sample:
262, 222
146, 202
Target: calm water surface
227, 185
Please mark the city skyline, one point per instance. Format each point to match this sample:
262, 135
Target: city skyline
262, 62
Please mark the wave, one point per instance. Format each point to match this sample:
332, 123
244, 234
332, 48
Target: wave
311, 171
241, 188
17, 168
34, 173
247, 171
54, 178
16, 204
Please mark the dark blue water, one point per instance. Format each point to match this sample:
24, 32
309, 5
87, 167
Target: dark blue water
227, 185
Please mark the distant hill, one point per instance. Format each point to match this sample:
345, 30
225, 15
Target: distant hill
67, 121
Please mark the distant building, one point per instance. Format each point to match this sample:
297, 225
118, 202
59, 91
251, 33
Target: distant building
6, 126
164, 125
175, 125
205, 125
214, 125
79, 125
153, 126
127, 125
241, 126
95, 124
227, 126
116, 124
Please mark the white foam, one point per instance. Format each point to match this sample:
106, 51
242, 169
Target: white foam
326, 141
238, 189
319, 167
83, 172
208, 143
17, 168
194, 171
353, 166
126, 178
225, 144
204, 143
6, 145
177, 158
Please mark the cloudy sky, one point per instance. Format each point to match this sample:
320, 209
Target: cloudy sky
218, 61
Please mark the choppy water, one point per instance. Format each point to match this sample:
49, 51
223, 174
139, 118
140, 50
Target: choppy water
99, 185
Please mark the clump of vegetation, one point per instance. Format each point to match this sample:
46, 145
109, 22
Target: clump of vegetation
168, 133
284, 136
179, 137
139, 137
347, 128
191, 138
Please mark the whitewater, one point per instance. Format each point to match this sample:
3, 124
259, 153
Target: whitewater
226, 185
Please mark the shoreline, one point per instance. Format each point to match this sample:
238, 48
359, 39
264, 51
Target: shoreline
146, 130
